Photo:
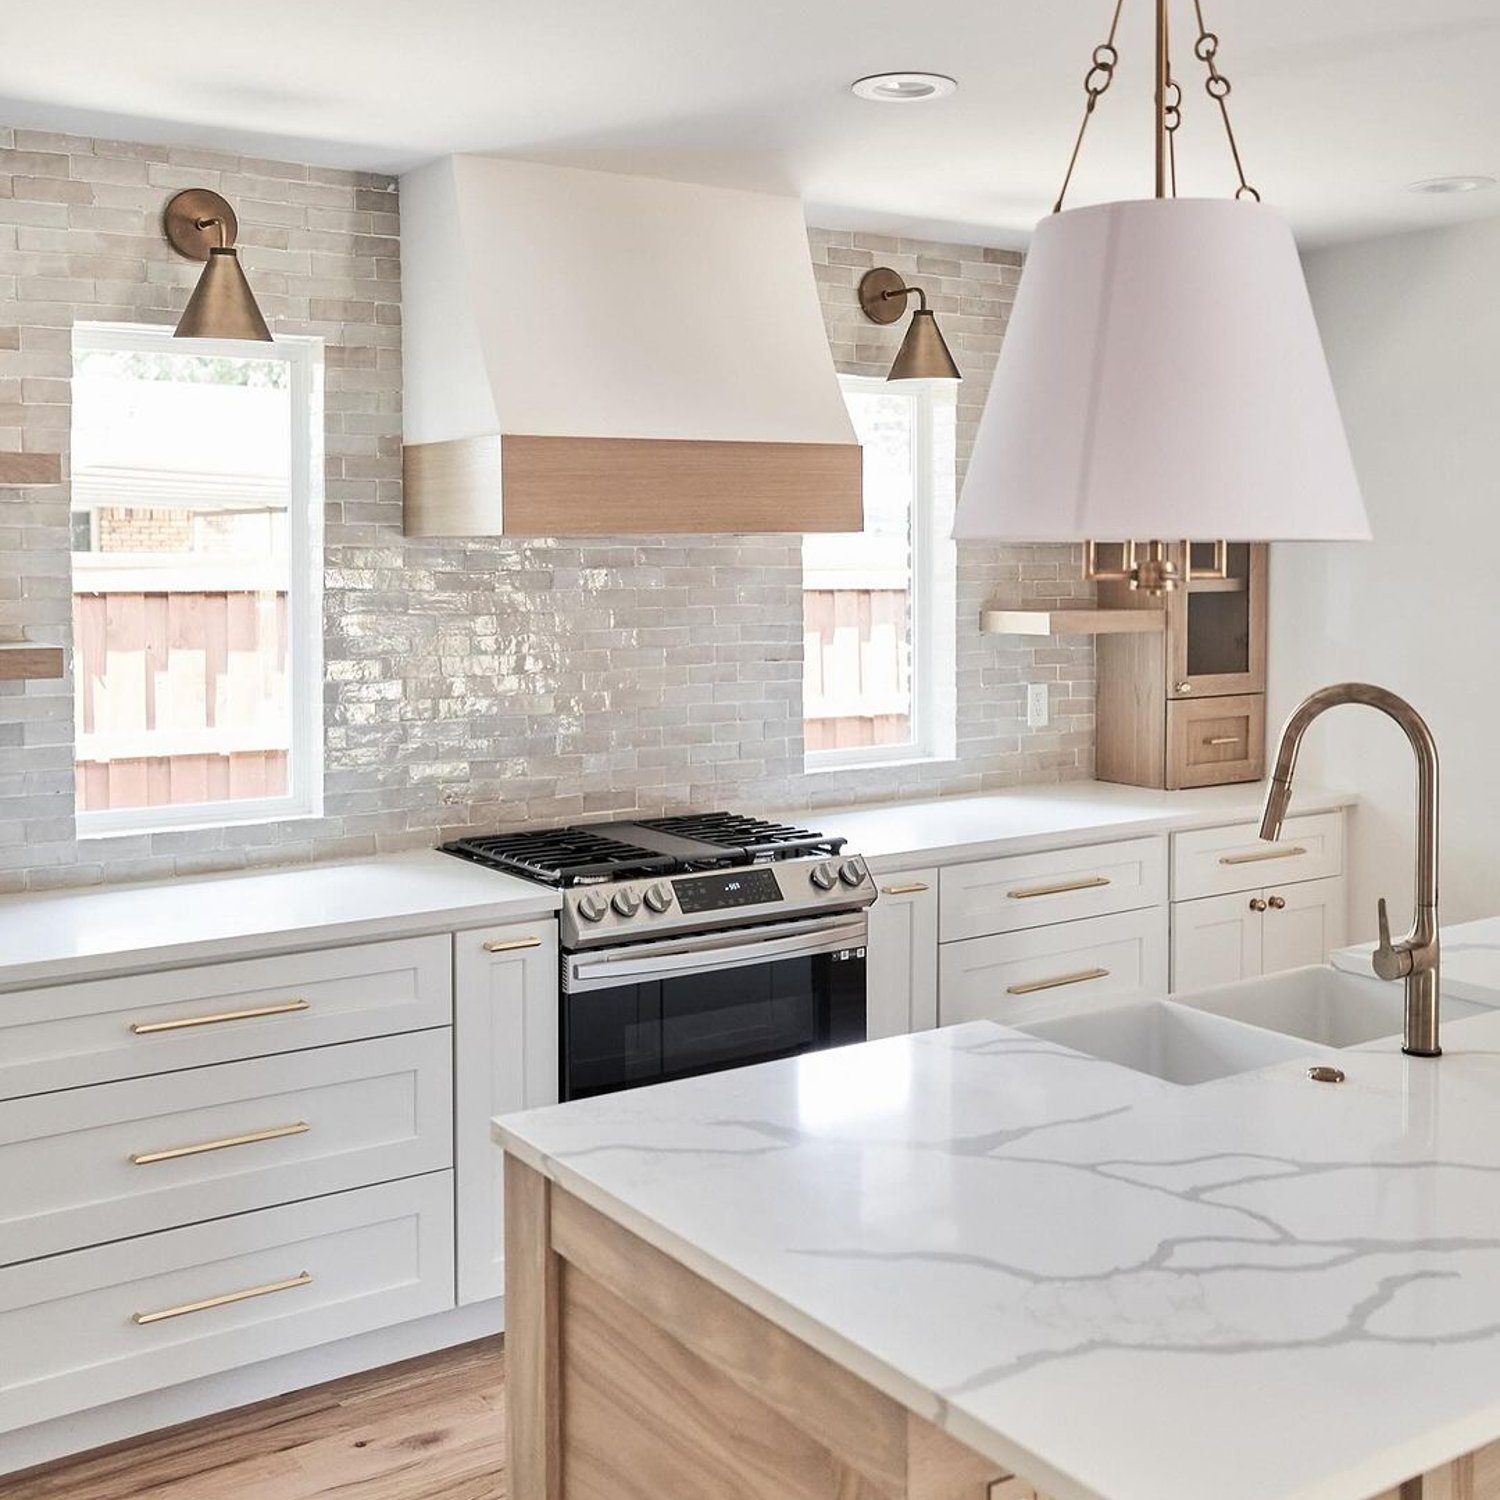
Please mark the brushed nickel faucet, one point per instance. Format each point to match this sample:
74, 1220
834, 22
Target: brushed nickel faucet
1415, 957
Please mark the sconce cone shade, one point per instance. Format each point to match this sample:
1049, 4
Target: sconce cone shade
923, 354
222, 305
1162, 376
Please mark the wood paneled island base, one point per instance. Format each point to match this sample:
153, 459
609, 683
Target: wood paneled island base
632, 1378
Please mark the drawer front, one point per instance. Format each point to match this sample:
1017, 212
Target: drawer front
1217, 861
118, 1159
99, 1325
1031, 890
70, 1035
1054, 971
1215, 741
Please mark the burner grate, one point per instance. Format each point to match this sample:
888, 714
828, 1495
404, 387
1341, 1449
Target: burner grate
562, 856
756, 837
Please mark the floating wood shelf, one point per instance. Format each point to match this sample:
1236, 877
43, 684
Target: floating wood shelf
23, 470
23, 660
1072, 622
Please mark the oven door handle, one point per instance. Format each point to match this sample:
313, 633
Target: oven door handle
594, 971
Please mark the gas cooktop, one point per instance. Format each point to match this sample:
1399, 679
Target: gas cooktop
592, 853
633, 881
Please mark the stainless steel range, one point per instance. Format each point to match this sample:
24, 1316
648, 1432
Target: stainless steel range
695, 943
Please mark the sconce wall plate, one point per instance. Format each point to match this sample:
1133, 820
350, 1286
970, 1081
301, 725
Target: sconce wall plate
883, 295
182, 222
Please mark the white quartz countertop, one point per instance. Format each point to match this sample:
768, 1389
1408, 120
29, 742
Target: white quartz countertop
1470, 959
1260, 1288
115, 929
1021, 820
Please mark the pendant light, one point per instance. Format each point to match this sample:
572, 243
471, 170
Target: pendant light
923, 354
1162, 375
201, 225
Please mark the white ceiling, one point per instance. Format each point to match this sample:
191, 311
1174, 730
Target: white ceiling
1338, 103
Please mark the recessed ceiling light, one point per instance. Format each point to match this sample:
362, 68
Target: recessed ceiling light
904, 88
1439, 185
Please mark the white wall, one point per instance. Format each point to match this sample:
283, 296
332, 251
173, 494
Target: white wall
1412, 327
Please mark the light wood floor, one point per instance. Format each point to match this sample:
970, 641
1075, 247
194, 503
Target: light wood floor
429, 1429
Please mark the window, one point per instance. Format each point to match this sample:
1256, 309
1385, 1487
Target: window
197, 580
878, 608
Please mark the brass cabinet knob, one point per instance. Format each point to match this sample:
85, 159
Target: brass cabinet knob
1182, 687
1277, 903
1256, 904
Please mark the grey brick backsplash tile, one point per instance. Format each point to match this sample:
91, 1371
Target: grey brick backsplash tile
479, 683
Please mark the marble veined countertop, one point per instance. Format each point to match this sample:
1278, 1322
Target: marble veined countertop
1260, 1288
1470, 960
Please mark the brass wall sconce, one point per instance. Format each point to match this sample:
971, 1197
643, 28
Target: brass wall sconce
923, 354
222, 305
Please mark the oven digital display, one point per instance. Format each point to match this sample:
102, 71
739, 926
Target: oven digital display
716, 892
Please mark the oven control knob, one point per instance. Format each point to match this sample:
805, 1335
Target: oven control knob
659, 897
825, 877
851, 872
626, 902
592, 906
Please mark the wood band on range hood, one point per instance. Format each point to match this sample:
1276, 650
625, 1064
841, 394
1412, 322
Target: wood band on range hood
561, 486
593, 354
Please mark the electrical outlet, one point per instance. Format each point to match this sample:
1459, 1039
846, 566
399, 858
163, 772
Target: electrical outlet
1037, 708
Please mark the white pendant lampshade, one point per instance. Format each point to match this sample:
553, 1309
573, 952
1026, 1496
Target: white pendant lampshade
1162, 376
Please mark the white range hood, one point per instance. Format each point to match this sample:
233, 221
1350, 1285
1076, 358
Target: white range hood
589, 354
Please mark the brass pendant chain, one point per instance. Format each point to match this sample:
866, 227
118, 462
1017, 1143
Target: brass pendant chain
1168, 104
1098, 80
1206, 48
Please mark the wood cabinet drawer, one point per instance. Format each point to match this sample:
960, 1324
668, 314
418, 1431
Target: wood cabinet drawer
82, 1166
1215, 741
1061, 885
1217, 861
1051, 971
69, 1035
98, 1325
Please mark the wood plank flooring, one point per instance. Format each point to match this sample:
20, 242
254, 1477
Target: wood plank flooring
428, 1429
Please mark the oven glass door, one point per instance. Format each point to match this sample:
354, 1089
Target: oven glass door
646, 1014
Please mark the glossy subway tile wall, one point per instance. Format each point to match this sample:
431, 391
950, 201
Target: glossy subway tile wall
485, 683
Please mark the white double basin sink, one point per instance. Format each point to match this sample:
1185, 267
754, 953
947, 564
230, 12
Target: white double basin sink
1237, 1028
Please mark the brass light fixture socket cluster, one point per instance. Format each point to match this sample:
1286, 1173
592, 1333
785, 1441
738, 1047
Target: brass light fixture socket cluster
201, 225
924, 354
1150, 567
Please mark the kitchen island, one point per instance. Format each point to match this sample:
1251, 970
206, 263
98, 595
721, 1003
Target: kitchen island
969, 1262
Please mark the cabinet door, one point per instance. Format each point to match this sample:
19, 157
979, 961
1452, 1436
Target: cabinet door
1216, 940
901, 991
504, 1058
1216, 627
1303, 924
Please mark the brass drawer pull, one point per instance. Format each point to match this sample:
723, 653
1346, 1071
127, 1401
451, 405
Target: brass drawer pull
1223, 739
1262, 854
511, 945
902, 890
1088, 883
303, 1278
285, 1008
250, 1138
1033, 985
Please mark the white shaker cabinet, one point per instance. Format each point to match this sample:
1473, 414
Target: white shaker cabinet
505, 1039
902, 986
1224, 939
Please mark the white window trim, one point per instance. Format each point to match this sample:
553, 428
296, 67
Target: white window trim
931, 646
304, 799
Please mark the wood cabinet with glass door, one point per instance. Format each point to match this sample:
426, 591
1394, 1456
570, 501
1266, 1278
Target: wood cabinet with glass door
1186, 707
